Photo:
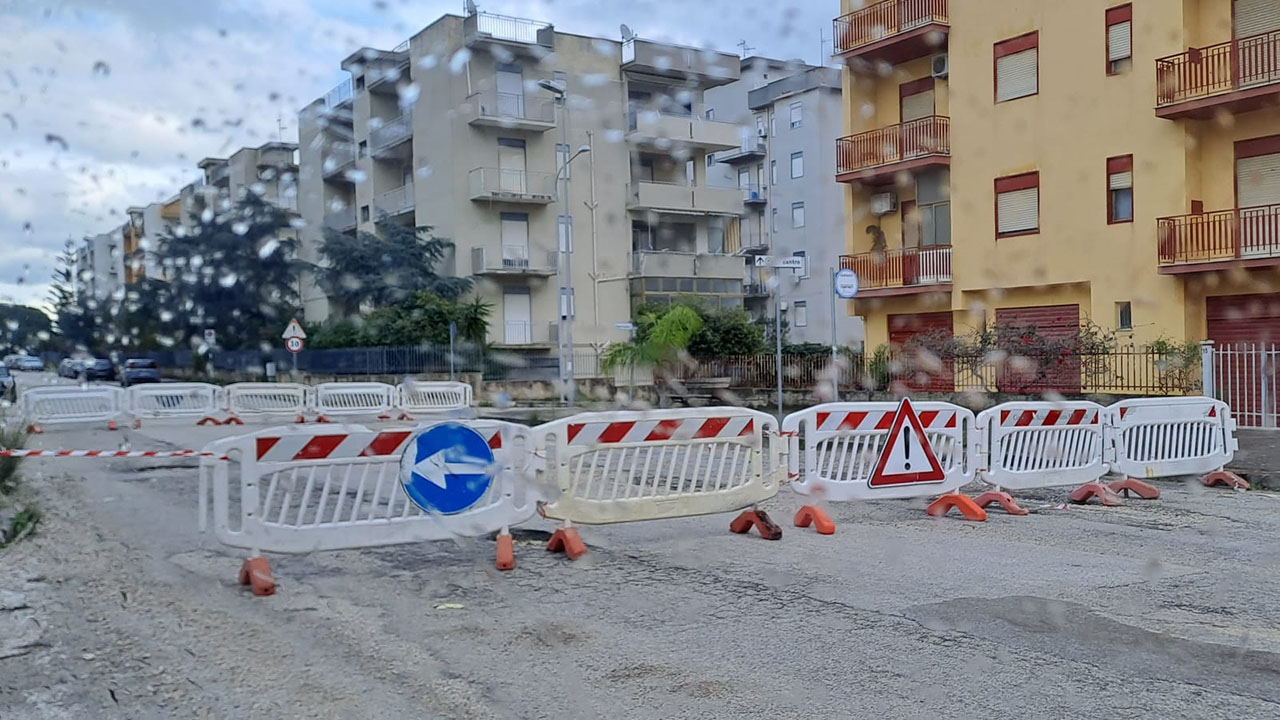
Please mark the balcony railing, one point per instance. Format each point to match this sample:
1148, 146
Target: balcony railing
340, 220
512, 185
904, 267
505, 27
219, 175
339, 95
394, 202
926, 137
1240, 64
886, 19
1237, 234
392, 132
753, 193
514, 106
340, 157
525, 332
513, 260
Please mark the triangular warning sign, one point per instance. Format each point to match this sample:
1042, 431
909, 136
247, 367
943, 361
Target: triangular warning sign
906, 457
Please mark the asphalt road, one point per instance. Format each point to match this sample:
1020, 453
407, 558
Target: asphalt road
1160, 609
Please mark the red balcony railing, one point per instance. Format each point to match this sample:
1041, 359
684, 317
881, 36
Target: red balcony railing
929, 136
1241, 233
903, 267
886, 19
1240, 64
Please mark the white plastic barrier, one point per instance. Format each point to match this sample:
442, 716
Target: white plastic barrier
647, 465
842, 441
1166, 437
417, 396
354, 398
338, 487
1042, 444
63, 404
175, 400
268, 398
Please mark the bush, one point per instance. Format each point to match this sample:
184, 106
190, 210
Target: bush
10, 439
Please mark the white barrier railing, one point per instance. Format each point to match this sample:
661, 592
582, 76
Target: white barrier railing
835, 446
354, 398
1166, 437
648, 465
177, 400
62, 404
417, 396
1041, 444
268, 398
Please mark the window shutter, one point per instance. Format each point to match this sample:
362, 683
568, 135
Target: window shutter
1019, 210
1255, 17
1016, 75
1258, 180
917, 106
1121, 180
1119, 39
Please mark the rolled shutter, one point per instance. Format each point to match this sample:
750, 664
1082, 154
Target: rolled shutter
1018, 211
1016, 75
1119, 41
1120, 180
917, 106
1258, 180
1255, 17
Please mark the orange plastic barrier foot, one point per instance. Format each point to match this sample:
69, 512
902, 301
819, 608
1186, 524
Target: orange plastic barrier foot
137, 423
111, 425
566, 540
1144, 490
319, 419
233, 420
1227, 478
967, 507
758, 519
1005, 500
384, 416
208, 421
256, 573
507, 552
35, 429
1082, 494
404, 416
299, 420
816, 516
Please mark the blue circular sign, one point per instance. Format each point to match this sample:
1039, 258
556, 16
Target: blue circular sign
846, 283
447, 468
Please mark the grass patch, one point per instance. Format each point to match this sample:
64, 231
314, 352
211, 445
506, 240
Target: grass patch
22, 525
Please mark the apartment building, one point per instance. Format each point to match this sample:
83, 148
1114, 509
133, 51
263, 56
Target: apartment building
1047, 163
269, 171
466, 127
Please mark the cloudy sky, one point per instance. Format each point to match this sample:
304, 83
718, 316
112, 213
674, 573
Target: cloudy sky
105, 104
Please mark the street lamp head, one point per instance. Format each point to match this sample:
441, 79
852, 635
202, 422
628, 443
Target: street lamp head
554, 87
584, 149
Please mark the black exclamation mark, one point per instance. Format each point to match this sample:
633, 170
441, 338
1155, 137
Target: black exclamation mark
906, 451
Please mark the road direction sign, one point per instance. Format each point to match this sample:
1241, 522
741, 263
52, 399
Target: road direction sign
627, 326
447, 468
907, 456
294, 330
294, 345
846, 283
789, 263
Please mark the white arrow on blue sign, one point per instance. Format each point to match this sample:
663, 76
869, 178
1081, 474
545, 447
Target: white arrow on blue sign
447, 468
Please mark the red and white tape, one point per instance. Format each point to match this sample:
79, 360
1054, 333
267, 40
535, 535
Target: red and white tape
110, 453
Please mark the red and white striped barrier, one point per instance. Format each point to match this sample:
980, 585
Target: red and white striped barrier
1170, 437
1026, 445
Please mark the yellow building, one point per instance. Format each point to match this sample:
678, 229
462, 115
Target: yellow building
1048, 162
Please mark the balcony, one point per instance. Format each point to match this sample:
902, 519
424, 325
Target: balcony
341, 220
648, 128
513, 261
875, 157
509, 35
754, 194
527, 335
682, 198
219, 175
395, 202
338, 160
753, 149
1241, 237
392, 133
511, 111
902, 271
679, 62
1236, 76
893, 31
673, 263
512, 186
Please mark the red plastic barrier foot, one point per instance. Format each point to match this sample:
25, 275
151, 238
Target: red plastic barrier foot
507, 552
967, 507
299, 420
404, 416
111, 425
137, 423
208, 421
384, 416
319, 419
758, 519
35, 429
256, 573
566, 540
1144, 490
1227, 478
233, 420
816, 516
1005, 500
1082, 494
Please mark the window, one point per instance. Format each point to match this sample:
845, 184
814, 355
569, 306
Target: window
1124, 316
364, 213
773, 172
797, 114
715, 235
802, 313
1120, 189
1018, 205
1119, 39
775, 219
564, 229
797, 215
711, 159
1017, 64
773, 124
364, 148
710, 113
562, 159
804, 269
360, 83
797, 165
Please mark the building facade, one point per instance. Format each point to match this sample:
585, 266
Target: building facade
1033, 162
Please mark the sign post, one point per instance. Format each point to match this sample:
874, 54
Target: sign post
631, 389
844, 283
294, 338
789, 263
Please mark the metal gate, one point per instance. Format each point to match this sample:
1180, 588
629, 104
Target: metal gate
1244, 377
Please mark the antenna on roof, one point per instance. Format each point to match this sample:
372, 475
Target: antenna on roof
627, 33
470, 7
746, 49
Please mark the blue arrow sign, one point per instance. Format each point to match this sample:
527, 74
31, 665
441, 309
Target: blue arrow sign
447, 468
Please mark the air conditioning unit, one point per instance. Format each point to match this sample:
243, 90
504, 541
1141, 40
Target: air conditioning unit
941, 65
762, 132
884, 203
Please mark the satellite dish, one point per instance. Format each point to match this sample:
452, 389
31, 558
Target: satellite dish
470, 6
626, 32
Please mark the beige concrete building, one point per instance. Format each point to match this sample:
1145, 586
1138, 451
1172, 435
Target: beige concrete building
460, 129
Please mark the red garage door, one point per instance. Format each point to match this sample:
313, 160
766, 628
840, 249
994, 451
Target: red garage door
1245, 330
1042, 372
1243, 319
920, 369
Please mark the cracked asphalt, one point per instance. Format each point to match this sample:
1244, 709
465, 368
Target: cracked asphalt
1158, 609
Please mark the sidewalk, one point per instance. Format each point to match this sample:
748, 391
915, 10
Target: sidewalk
1258, 459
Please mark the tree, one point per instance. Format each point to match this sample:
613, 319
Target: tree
23, 327
76, 313
659, 338
727, 332
425, 318
383, 269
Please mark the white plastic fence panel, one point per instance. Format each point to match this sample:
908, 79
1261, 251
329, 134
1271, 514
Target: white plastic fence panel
354, 398
427, 397
1167, 437
834, 448
339, 487
163, 400
647, 465
1042, 444
72, 404
268, 398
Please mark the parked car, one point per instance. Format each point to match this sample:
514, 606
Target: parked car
29, 363
70, 368
99, 369
8, 390
11, 360
139, 370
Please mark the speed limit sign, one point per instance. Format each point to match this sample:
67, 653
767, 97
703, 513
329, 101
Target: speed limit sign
293, 344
